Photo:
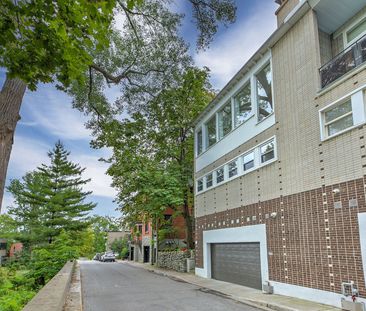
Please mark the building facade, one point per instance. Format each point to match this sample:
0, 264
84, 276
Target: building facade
280, 161
143, 240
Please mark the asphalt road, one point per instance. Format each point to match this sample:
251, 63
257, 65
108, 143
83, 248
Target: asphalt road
121, 287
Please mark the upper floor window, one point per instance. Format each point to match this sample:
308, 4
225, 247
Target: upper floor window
224, 120
233, 168
356, 31
264, 92
220, 175
338, 118
199, 185
199, 141
209, 180
146, 227
248, 161
242, 105
211, 131
267, 151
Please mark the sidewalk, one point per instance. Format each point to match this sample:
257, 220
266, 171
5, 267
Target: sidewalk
246, 295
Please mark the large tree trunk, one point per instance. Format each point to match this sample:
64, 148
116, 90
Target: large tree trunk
11, 97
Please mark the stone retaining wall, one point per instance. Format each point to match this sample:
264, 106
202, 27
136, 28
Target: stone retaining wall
175, 260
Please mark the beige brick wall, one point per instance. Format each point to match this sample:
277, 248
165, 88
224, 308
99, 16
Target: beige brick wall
285, 9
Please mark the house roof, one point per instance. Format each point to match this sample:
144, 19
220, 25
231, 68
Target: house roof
298, 12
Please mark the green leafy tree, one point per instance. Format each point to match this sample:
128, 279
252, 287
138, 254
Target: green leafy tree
59, 40
152, 157
118, 245
101, 225
51, 199
8, 227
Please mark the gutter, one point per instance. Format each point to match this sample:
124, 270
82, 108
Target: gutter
291, 19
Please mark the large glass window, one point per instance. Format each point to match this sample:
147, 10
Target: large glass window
242, 105
224, 116
357, 31
264, 92
220, 175
248, 161
267, 151
199, 142
233, 169
338, 118
209, 180
199, 185
211, 131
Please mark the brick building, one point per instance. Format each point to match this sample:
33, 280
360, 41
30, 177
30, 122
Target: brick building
141, 243
280, 161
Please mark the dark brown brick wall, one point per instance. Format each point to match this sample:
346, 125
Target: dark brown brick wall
311, 242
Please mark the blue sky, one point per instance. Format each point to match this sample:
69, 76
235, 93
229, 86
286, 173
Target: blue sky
46, 115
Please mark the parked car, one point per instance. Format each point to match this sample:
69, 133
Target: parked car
108, 256
98, 256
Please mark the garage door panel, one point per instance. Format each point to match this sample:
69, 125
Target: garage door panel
237, 263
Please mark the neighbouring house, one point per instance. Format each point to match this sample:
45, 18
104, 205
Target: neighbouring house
116, 235
172, 235
280, 160
15, 248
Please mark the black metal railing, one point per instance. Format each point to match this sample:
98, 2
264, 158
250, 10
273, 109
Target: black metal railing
350, 58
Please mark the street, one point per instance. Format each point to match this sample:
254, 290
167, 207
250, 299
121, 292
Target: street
119, 286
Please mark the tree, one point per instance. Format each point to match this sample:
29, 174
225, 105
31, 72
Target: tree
101, 225
57, 40
51, 199
151, 166
8, 227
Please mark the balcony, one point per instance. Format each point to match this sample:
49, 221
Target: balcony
349, 59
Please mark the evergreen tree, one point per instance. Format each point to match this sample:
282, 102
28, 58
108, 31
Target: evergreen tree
51, 199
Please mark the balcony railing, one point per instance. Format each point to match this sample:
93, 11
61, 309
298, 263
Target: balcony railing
350, 58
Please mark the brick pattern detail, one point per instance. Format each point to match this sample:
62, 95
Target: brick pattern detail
313, 241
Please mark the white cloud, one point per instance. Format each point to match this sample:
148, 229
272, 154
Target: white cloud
7, 201
51, 109
234, 47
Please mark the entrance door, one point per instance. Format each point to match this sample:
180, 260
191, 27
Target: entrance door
146, 253
237, 263
132, 254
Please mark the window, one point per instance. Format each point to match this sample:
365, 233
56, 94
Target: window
209, 180
242, 105
220, 175
167, 217
199, 185
146, 227
199, 142
267, 151
211, 131
357, 31
139, 228
224, 116
264, 92
233, 169
248, 161
338, 118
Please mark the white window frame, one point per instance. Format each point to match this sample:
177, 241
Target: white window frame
223, 175
358, 102
219, 137
203, 188
239, 165
246, 83
255, 82
250, 78
344, 33
206, 131
261, 154
212, 180
242, 162
200, 129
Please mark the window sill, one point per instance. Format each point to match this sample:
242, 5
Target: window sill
261, 121
342, 132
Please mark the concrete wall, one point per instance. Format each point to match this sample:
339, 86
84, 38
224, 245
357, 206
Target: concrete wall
286, 7
53, 295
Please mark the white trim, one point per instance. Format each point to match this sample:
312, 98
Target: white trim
362, 230
348, 28
358, 103
257, 164
311, 294
255, 233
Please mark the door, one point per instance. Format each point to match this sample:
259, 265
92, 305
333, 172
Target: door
132, 254
146, 253
237, 263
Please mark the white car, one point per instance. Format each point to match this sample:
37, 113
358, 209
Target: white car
108, 256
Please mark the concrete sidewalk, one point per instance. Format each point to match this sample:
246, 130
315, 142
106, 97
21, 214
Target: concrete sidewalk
246, 295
